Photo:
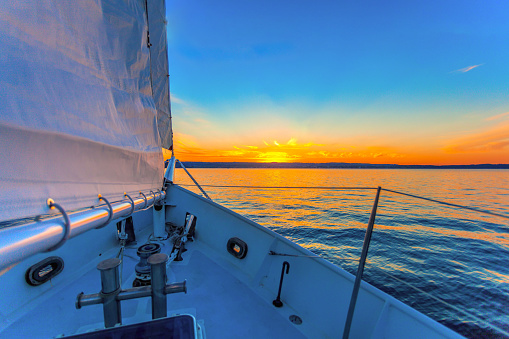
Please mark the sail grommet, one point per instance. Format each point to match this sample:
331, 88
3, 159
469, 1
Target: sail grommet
110, 211
67, 223
144, 197
132, 204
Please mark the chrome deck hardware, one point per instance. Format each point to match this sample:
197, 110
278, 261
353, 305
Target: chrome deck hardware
110, 211
111, 294
184, 233
35, 236
142, 268
67, 224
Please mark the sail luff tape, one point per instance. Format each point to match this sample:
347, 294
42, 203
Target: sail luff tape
67, 223
144, 197
110, 211
132, 204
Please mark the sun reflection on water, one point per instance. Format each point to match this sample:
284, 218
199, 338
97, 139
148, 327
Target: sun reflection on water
457, 255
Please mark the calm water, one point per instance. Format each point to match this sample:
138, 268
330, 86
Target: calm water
457, 256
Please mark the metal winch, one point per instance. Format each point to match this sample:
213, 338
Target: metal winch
142, 268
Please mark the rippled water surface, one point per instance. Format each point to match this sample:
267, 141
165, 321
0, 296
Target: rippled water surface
450, 264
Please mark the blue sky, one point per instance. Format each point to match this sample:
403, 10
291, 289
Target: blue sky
393, 77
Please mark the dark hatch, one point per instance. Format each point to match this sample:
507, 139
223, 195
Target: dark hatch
178, 327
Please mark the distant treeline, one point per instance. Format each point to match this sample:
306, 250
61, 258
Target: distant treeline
190, 164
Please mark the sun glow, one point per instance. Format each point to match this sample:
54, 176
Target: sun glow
275, 157
484, 146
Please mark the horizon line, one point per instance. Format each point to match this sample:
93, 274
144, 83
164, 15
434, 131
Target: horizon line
304, 164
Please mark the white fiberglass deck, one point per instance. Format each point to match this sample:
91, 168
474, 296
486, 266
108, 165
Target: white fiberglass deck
222, 305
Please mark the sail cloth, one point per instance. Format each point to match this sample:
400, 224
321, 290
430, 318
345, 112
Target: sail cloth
159, 67
78, 113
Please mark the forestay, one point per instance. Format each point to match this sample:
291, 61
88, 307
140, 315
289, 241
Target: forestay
79, 112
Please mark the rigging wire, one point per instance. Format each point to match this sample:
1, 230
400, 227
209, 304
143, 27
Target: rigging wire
448, 204
121, 255
289, 187
360, 188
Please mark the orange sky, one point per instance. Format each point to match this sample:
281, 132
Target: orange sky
488, 142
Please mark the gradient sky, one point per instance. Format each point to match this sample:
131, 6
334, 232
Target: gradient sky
401, 82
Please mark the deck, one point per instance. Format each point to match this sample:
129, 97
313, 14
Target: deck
223, 306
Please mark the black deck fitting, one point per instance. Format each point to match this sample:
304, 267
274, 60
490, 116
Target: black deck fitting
278, 302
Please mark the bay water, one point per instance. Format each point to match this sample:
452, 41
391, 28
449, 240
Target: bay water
448, 263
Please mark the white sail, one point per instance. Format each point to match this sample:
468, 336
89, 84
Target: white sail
78, 113
159, 69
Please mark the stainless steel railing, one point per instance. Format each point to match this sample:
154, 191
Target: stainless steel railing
23, 241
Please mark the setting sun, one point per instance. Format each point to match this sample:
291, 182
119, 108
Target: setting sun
275, 157
188, 148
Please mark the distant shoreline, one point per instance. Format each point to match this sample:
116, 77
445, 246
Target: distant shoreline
192, 164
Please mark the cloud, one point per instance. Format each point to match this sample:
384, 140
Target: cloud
292, 142
189, 150
277, 156
233, 153
466, 69
498, 116
176, 100
492, 139
187, 145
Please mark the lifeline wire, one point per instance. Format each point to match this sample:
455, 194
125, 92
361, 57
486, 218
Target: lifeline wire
448, 204
361, 188
290, 187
